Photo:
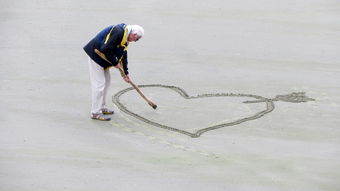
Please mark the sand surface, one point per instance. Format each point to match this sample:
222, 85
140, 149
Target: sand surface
263, 48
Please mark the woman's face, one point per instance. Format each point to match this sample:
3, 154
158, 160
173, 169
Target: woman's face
133, 37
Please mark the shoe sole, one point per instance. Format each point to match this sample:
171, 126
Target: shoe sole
108, 113
107, 119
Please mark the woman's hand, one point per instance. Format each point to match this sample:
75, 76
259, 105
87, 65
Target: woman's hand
124, 76
127, 78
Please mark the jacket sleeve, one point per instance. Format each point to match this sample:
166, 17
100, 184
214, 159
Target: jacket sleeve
108, 47
125, 63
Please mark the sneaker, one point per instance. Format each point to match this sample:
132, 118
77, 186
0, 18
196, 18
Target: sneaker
107, 111
99, 116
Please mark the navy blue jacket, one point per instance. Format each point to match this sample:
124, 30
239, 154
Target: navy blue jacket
112, 41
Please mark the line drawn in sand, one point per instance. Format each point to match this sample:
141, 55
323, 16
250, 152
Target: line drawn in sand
294, 97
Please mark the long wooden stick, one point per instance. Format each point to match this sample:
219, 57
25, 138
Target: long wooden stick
102, 55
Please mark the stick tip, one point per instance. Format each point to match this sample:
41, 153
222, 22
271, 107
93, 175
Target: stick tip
154, 106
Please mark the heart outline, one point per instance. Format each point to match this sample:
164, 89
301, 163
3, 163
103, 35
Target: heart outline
269, 108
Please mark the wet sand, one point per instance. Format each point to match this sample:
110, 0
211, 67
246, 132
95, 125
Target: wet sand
262, 48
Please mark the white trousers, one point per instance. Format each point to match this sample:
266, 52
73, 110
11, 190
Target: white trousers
100, 82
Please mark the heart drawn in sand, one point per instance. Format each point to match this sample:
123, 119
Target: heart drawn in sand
295, 97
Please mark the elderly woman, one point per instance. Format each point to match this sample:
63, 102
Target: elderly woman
112, 42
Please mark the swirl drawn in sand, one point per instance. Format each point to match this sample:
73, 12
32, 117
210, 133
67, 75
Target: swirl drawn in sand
295, 97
